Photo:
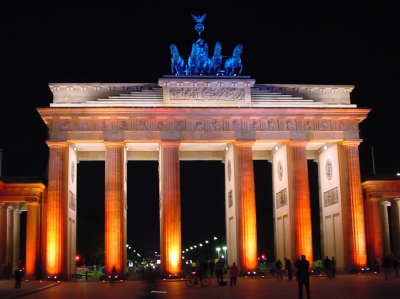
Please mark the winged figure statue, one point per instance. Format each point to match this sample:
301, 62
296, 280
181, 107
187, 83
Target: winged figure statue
199, 19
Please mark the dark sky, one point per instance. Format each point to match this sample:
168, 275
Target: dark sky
317, 43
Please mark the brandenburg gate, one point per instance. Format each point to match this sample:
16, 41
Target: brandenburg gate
200, 113
226, 118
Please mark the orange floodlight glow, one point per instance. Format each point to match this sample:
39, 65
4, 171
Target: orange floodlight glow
53, 250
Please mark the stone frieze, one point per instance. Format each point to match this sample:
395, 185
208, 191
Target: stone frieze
225, 94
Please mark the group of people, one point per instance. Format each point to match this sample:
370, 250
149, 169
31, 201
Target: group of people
202, 266
330, 267
388, 262
278, 269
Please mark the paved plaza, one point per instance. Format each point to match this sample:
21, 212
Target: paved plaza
344, 286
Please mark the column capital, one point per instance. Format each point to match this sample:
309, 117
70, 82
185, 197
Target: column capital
298, 143
170, 143
56, 144
31, 201
351, 142
395, 201
243, 143
114, 143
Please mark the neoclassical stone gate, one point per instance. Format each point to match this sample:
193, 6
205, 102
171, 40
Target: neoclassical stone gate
230, 119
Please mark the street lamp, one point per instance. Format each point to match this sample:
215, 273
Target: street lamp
225, 248
218, 250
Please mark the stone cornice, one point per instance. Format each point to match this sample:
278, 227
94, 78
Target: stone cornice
21, 192
381, 189
323, 124
201, 91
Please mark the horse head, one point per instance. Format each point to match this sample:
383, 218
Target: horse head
238, 50
174, 50
217, 49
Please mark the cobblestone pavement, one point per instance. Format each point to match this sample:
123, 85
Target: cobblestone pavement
343, 287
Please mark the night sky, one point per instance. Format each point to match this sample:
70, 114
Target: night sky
298, 43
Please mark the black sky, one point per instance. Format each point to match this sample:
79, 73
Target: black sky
316, 43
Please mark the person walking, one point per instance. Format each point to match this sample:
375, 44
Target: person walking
333, 267
199, 272
219, 271
278, 269
288, 267
387, 263
327, 265
303, 276
233, 273
18, 276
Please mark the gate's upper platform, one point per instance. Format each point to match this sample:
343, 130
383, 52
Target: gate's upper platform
200, 91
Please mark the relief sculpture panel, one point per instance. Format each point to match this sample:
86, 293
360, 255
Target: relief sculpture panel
226, 94
331, 197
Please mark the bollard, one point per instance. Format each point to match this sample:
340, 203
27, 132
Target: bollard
86, 275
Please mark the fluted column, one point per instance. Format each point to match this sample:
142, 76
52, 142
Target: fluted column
395, 218
114, 207
351, 186
385, 227
247, 207
32, 239
56, 210
170, 207
16, 237
374, 229
10, 235
3, 234
301, 200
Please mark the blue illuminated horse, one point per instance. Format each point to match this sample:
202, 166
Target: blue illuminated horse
234, 62
177, 62
216, 59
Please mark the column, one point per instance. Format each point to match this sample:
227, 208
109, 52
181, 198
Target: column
56, 210
170, 207
32, 239
16, 237
374, 229
395, 217
114, 208
3, 236
10, 235
385, 227
353, 199
301, 200
246, 206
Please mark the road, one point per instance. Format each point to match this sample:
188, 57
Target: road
343, 287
